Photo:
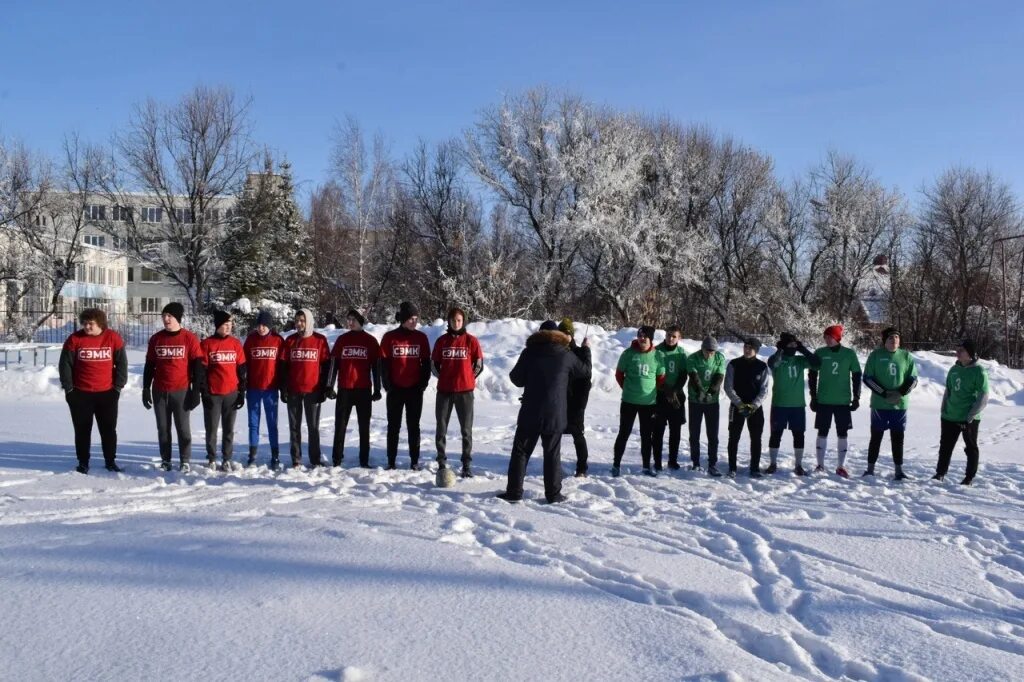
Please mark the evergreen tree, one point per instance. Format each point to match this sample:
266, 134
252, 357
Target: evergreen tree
267, 251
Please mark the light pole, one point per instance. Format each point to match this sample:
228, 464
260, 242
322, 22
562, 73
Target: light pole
1010, 357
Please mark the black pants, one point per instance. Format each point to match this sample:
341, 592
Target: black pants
574, 427
875, 447
951, 432
219, 411
85, 406
411, 401
348, 398
674, 418
308, 403
523, 445
170, 407
755, 426
710, 415
775, 438
462, 402
628, 412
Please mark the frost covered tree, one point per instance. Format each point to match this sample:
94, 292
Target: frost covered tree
182, 160
266, 252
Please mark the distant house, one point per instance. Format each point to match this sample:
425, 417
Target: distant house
871, 307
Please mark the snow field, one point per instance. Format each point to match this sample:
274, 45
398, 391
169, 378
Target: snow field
348, 574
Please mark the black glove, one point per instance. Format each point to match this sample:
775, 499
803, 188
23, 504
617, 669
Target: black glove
814, 404
331, 393
147, 398
240, 400
963, 426
284, 396
376, 395
192, 400
67, 395
321, 395
855, 404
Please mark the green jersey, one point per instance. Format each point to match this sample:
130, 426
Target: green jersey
964, 387
890, 371
788, 385
641, 370
674, 360
705, 369
837, 366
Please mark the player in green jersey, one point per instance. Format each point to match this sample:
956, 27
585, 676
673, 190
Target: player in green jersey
835, 394
965, 397
671, 408
788, 398
706, 369
639, 373
891, 374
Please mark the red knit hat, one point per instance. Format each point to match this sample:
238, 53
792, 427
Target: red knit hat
835, 331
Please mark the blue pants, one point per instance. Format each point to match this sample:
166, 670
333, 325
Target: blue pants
268, 398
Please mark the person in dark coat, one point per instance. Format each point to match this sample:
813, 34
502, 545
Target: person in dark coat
544, 370
579, 396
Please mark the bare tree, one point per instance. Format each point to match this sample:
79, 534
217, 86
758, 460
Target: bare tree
177, 167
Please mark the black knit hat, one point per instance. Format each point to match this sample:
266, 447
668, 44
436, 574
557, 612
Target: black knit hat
265, 319
646, 331
785, 338
889, 331
971, 348
405, 311
220, 317
549, 326
357, 316
176, 309
753, 342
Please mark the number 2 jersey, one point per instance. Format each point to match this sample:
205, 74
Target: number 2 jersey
838, 365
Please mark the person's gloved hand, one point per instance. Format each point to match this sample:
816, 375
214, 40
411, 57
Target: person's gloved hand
147, 398
376, 395
67, 395
321, 395
192, 400
240, 400
284, 396
673, 400
963, 426
893, 397
855, 404
331, 393
814, 404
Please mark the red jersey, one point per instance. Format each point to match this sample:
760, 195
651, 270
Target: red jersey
224, 355
304, 357
92, 359
171, 353
355, 352
405, 353
455, 356
262, 353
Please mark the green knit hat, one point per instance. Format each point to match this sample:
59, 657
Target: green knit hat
565, 326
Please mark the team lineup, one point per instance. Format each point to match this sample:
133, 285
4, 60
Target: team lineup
302, 370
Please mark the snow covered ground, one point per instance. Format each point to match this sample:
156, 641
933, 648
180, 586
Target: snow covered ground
365, 574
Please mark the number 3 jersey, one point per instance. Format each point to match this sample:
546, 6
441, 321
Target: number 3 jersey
966, 392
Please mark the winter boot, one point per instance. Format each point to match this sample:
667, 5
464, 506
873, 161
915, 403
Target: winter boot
211, 462
615, 472
731, 473
557, 498
899, 475
799, 471
673, 464
252, 457
82, 468
391, 465
649, 472
112, 467
466, 471
165, 464
938, 477
414, 465
185, 468
755, 473
508, 497
870, 471
275, 462
771, 468
967, 481
713, 471
336, 461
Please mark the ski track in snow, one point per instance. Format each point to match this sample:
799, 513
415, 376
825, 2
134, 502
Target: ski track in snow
610, 527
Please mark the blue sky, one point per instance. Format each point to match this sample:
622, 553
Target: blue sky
908, 87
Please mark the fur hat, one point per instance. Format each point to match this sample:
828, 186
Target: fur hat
220, 317
175, 309
265, 319
357, 316
405, 311
835, 331
709, 343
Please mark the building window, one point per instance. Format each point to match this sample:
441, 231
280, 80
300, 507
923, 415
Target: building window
95, 212
94, 240
120, 278
184, 215
122, 213
149, 305
92, 275
79, 272
41, 220
152, 215
131, 274
148, 275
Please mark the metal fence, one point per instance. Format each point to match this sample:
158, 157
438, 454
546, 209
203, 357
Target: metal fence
134, 328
